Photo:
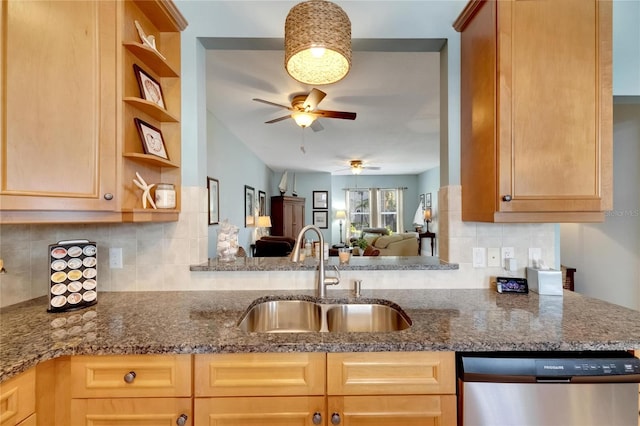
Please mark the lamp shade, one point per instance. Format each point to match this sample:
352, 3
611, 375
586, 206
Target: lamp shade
427, 214
317, 42
303, 119
341, 214
264, 222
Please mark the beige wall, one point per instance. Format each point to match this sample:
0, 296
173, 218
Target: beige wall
157, 256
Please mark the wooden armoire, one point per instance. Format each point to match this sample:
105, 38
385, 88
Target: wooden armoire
287, 215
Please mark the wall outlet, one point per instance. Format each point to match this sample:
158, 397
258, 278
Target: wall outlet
507, 253
535, 255
494, 257
115, 258
479, 257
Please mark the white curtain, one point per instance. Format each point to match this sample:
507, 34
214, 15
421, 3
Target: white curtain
400, 204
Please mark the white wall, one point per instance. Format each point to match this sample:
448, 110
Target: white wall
626, 48
607, 255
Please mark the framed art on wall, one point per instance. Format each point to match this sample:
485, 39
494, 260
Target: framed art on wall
427, 199
262, 203
320, 199
213, 188
249, 200
321, 219
422, 202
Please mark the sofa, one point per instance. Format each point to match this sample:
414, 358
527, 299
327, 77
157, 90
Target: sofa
401, 244
273, 246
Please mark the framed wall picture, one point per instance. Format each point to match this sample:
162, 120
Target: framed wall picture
249, 200
321, 219
213, 188
262, 203
150, 89
422, 202
320, 199
427, 199
152, 140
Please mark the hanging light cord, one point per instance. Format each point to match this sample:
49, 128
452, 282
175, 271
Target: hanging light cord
304, 151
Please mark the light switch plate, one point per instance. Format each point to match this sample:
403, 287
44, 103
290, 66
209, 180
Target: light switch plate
493, 257
115, 257
507, 253
535, 254
479, 257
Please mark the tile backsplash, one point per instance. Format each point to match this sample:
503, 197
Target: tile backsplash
157, 256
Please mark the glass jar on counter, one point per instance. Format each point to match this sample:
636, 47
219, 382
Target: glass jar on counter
165, 196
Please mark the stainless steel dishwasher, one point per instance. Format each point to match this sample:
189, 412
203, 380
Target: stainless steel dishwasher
548, 389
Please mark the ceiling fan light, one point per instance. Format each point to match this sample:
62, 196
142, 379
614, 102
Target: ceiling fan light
303, 119
310, 27
356, 169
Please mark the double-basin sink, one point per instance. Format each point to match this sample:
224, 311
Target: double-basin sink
300, 316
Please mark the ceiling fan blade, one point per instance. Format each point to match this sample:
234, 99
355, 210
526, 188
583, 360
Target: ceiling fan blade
336, 114
313, 99
316, 126
371, 167
275, 120
273, 104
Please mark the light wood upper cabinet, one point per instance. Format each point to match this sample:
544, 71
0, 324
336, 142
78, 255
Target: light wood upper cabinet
536, 110
69, 147
58, 91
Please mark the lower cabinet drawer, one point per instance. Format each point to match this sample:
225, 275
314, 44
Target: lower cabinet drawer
131, 412
400, 410
18, 398
392, 373
260, 374
108, 376
288, 410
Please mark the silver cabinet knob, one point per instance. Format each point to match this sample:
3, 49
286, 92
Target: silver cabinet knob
335, 419
130, 377
317, 418
506, 198
182, 420
108, 196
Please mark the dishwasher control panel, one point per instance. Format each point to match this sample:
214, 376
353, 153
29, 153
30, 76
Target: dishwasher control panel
586, 367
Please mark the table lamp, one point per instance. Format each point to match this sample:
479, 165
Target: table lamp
341, 215
427, 217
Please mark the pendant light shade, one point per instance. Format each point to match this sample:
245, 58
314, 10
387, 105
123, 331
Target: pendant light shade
317, 42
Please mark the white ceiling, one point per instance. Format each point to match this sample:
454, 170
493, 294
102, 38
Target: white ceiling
395, 94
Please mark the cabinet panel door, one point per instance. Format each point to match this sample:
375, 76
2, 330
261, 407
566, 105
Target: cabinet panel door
111, 376
390, 373
400, 410
260, 374
18, 398
58, 105
554, 105
281, 411
130, 412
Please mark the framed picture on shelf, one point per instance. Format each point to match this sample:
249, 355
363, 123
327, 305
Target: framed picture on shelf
150, 89
321, 219
262, 203
249, 200
427, 198
152, 140
213, 187
320, 199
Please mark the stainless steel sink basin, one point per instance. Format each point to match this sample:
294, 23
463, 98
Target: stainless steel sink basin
299, 316
283, 316
365, 318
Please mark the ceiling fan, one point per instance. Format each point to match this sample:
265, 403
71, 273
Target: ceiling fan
304, 112
357, 166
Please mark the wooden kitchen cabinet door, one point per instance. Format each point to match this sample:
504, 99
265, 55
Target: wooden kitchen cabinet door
281, 411
536, 110
397, 410
18, 399
131, 412
58, 106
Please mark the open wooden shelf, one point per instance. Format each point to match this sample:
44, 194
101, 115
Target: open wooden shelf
152, 59
150, 159
151, 109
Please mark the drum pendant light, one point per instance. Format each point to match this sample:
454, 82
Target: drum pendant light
317, 42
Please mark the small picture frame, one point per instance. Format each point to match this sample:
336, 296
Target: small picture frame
422, 201
249, 200
150, 89
152, 140
427, 198
320, 199
262, 203
321, 219
213, 188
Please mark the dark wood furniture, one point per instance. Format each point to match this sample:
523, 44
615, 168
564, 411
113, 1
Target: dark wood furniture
432, 237
287, 215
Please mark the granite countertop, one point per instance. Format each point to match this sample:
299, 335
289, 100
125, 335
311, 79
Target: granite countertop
356, 263
206, 322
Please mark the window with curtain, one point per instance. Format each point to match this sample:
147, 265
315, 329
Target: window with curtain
374, 208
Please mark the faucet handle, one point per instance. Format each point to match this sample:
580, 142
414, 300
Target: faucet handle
333, 280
